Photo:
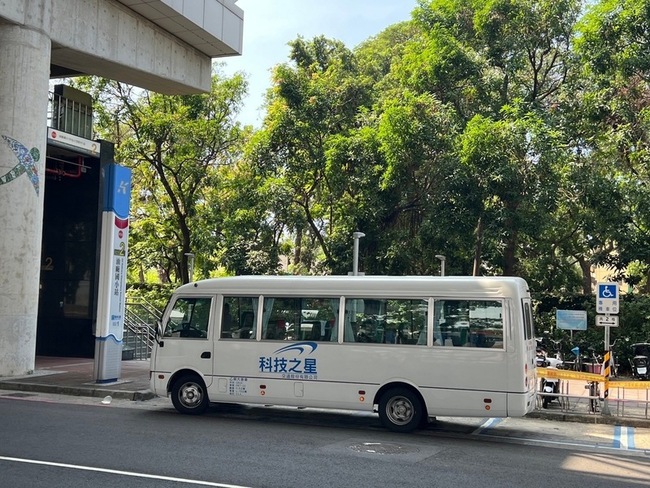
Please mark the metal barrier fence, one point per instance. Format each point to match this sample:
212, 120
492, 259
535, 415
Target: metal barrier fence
588, 393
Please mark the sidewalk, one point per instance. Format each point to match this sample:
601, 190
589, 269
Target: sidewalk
75, 376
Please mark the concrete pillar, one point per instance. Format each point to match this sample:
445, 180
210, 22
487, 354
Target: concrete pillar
24, 78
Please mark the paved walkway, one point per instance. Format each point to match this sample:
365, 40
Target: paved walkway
75, 376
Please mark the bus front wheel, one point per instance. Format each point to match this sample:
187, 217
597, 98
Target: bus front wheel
189, 395
400, 410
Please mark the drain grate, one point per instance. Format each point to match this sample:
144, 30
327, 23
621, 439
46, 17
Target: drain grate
19, 395
382, 448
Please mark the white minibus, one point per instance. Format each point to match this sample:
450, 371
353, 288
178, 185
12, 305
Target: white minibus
407, 347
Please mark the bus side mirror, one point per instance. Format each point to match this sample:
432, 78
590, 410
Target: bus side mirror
159, 334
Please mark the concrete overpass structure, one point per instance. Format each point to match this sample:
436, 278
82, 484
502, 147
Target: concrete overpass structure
165, 46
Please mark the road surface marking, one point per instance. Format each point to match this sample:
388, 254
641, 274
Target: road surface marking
118, 472
624, 437
488, 424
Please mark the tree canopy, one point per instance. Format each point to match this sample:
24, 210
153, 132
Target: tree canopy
509, 135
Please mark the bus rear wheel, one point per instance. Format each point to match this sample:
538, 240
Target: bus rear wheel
189, 395
400, 410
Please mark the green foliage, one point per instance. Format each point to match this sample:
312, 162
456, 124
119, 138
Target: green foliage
154, 294
177, 147
512, 136
634, 324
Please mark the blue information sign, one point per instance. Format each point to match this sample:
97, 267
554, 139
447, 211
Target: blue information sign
571, 319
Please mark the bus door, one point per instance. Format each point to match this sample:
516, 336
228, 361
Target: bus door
187, 337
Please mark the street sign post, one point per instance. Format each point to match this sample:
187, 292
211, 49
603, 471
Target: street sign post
607, 303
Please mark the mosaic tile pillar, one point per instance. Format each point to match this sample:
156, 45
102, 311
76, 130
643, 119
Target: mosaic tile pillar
24, 80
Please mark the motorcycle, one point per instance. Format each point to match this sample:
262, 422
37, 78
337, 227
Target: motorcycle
640, 361
550, 387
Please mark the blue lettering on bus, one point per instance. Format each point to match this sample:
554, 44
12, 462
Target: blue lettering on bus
291, 367
279, 365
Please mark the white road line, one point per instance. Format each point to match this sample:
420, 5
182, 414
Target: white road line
563, 444
624, 437
118, 472
491, 422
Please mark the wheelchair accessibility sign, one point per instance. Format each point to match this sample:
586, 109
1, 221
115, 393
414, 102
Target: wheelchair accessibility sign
607, 298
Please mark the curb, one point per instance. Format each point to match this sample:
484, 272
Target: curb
589, 419
141, 395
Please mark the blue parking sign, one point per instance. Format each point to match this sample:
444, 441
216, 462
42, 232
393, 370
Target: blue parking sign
608, 290
607, 298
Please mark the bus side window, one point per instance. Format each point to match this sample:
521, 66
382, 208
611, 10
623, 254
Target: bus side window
300, 319
486, 324
473, 323
317, 318
238, 317
528, 320
387, 320
226, 321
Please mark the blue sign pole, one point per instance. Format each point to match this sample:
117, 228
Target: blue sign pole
111, 301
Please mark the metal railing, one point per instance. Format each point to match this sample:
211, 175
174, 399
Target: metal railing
70, 116
629, 399
139, 329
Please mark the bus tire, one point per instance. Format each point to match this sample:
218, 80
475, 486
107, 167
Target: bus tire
189, 395
400, 410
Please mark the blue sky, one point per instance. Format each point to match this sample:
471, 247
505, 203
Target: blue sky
270, 24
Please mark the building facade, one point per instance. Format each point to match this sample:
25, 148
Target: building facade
165, 46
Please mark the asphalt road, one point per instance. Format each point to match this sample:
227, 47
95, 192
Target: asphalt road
55, 441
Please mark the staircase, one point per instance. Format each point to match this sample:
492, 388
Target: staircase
139, 329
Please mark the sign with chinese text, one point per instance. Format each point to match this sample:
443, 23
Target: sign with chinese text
607, 298
292, 362
112, 273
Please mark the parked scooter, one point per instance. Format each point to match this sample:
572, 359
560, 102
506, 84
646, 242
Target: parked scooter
640, 361
550, 387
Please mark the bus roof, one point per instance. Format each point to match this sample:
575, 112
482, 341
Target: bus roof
282, 285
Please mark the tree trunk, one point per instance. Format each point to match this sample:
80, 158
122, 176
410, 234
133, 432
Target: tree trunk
297, 248
585, 266
510, 256
478, 247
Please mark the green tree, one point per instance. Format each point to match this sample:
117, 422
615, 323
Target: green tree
314, 98
175, 145
499, 66
613, 48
